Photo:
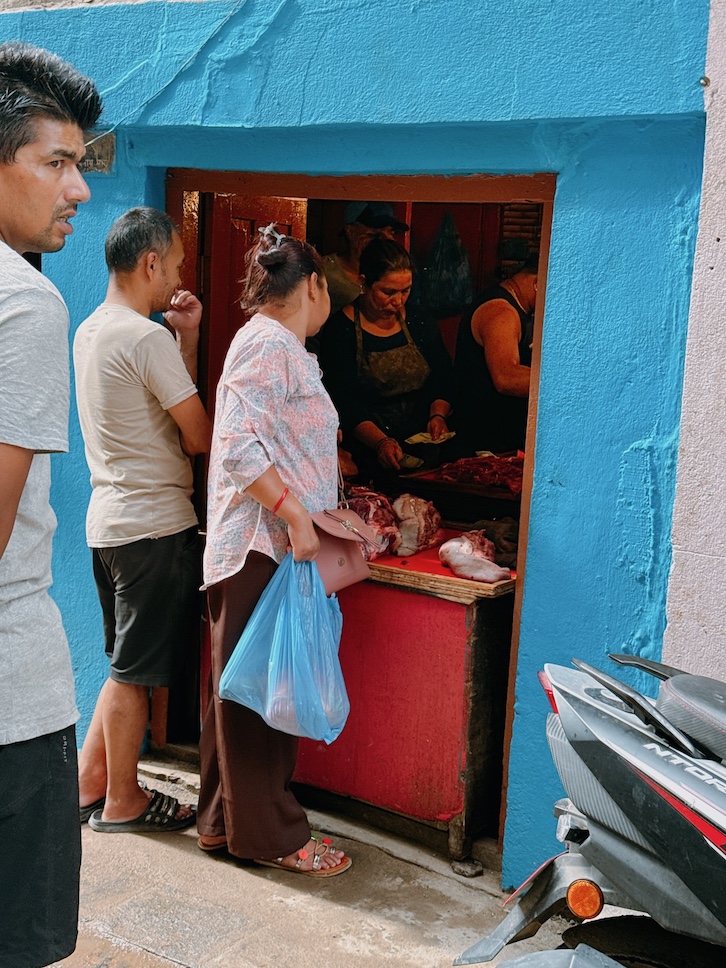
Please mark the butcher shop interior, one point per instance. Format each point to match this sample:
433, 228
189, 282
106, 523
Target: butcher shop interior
429, 638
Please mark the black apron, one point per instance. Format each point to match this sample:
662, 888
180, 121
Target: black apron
391, 380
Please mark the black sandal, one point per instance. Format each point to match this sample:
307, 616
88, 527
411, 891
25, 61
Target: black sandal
84, 813
158, 817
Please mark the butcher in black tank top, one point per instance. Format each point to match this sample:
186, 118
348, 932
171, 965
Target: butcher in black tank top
492, 402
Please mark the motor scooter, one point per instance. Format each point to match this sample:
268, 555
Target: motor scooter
643, 824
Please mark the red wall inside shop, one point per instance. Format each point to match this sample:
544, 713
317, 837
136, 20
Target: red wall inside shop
479, 229
477, 225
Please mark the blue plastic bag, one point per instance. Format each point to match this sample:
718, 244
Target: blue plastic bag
285, 666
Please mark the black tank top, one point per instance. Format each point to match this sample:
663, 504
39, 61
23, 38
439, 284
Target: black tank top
487, 419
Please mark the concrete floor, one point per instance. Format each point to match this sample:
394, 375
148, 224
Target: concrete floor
152, 900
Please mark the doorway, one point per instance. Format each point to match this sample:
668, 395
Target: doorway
219, 214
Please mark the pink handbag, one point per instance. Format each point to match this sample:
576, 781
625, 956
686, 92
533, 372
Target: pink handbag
340, 560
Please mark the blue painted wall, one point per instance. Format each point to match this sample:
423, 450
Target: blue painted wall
605, 95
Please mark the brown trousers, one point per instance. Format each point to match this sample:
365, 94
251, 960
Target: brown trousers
246, 766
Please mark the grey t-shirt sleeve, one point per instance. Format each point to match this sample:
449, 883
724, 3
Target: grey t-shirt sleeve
34, 371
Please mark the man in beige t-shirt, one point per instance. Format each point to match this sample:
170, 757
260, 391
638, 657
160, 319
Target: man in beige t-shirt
142, 420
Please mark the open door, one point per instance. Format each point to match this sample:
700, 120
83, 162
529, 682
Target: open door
231, 225
218, 230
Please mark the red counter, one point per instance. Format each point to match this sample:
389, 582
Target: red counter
425, 659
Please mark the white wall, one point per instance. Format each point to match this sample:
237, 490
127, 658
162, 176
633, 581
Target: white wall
695, 637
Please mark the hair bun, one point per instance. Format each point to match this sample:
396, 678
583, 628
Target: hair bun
274, 256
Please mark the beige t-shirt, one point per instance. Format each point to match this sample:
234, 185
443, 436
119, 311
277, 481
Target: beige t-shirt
129, 372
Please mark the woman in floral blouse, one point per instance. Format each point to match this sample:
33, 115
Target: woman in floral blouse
273, 462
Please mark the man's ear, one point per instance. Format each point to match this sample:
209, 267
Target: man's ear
151, 263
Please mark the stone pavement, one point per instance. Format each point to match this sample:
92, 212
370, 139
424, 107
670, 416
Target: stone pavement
149, 901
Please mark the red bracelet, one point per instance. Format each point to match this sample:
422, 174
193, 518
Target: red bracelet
279, 503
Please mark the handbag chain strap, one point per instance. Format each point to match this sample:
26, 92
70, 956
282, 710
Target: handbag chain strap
349, 526
342, 502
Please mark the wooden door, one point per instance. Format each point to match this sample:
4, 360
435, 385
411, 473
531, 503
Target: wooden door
231, 227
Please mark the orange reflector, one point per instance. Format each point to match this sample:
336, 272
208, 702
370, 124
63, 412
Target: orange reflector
584, 899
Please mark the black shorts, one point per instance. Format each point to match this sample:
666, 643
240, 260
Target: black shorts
40, 850
149, 594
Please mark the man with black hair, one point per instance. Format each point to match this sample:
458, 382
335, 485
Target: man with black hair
46, 105
142, 420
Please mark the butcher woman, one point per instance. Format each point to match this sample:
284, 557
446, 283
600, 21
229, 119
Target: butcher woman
386, 368
273, 462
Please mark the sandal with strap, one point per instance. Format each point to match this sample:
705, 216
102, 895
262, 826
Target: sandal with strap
323, 846
211, 848
158, 817
84, 813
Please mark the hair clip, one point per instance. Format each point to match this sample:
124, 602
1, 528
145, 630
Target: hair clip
271, 230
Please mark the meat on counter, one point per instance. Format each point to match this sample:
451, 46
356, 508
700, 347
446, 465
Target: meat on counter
419, 523
375, 509
485, 471
504, 533
471, 555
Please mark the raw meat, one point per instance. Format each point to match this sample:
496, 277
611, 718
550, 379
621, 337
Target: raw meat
505, 472
471, 555
419, 523
375, 509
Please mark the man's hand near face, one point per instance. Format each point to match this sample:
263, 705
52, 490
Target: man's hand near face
184, 317
185, 312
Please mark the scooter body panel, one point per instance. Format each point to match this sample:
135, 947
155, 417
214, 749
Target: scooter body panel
676, 803
545, 897
646, 821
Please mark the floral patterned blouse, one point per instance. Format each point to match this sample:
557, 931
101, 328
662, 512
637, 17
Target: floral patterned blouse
271, 408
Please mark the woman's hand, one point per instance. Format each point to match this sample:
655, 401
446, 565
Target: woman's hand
389, 453
304, 541
437, 426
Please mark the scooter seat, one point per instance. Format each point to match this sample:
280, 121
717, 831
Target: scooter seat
697, 706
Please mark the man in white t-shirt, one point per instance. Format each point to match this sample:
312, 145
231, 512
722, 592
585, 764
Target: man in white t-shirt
141, 420
45, 107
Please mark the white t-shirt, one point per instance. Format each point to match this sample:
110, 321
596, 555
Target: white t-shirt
36, 681
129, 372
